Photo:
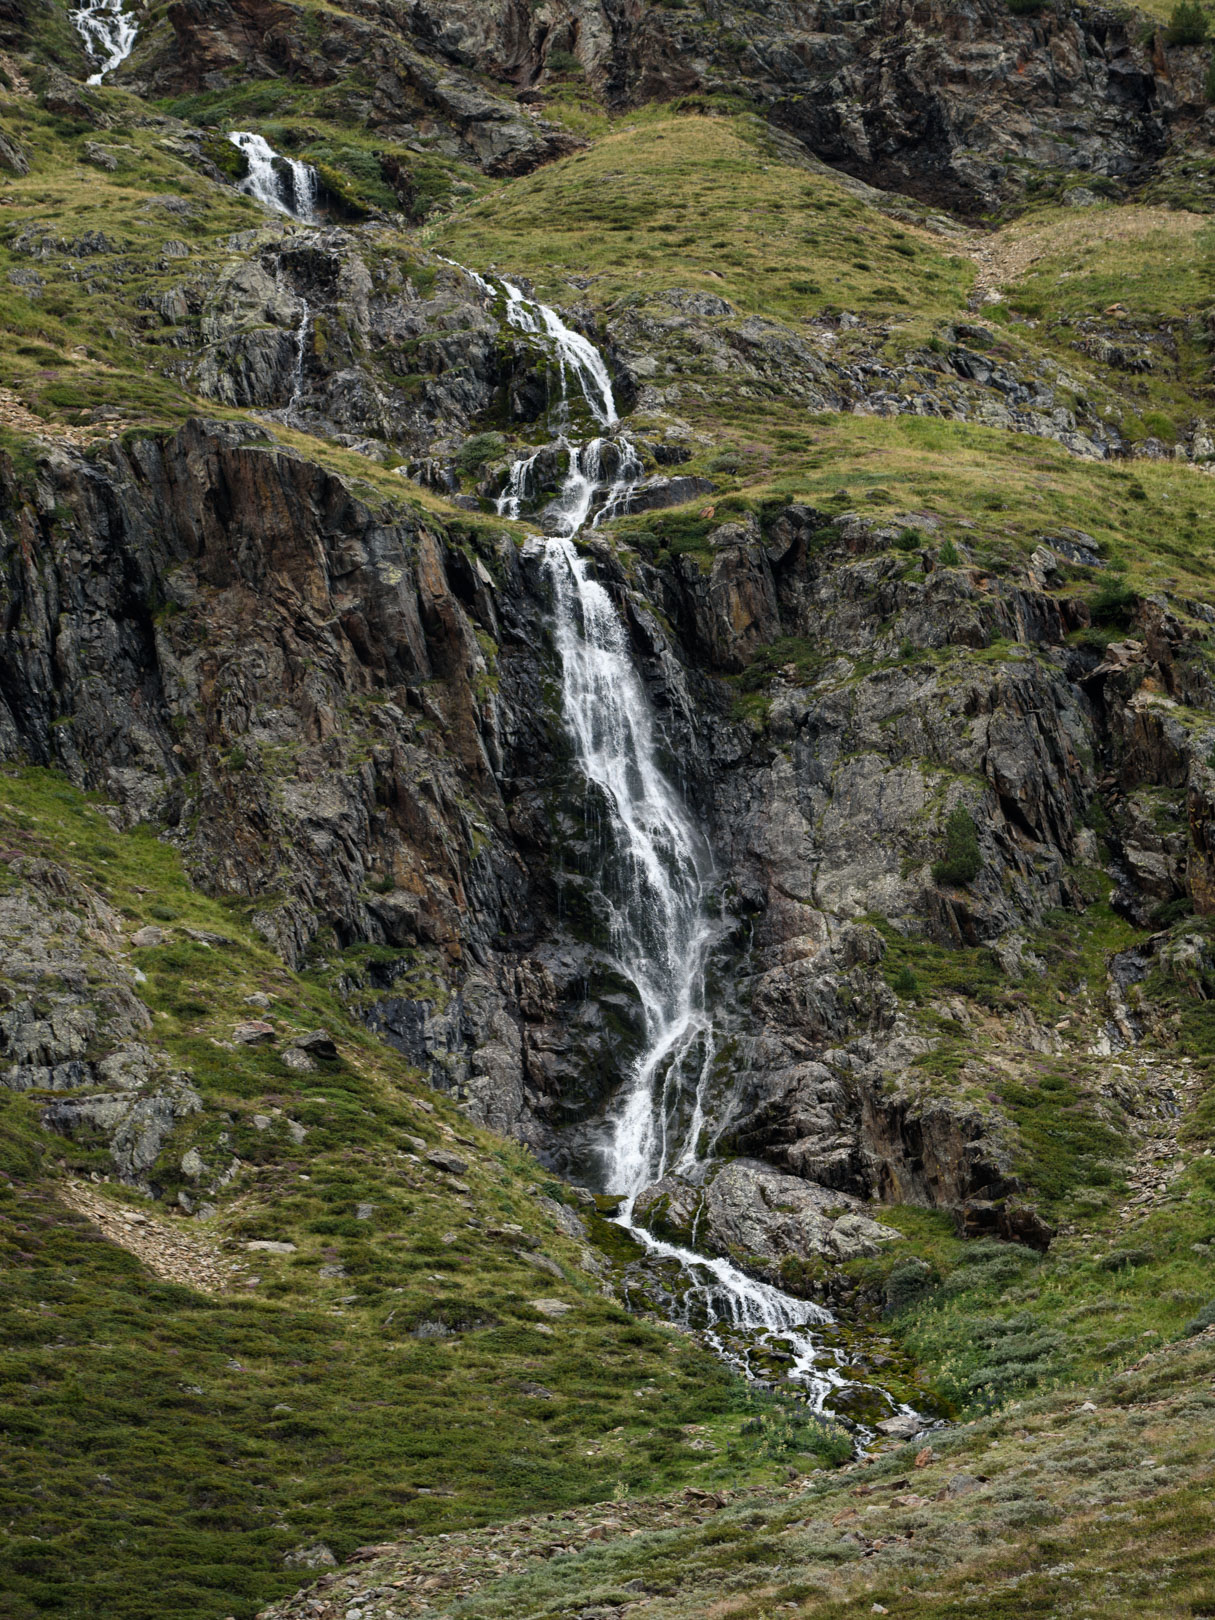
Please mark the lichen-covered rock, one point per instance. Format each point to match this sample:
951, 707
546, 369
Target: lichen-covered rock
762, 1217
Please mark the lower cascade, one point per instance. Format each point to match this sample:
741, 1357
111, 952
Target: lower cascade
287, 185
657, 891
108, 32
662, 934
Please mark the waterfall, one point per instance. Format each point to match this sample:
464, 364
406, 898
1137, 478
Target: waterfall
661, 931
301, 349
518, 486
657, 888
108, 34
575, 354
267, 183
588, 477
659, 916
657, 883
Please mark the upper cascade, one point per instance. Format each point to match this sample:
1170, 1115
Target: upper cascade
576, 356
600, 474
287, 185
108, 33
574, 353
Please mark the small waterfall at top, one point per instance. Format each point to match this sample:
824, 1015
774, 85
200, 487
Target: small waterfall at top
292, 193
108, 34
658, 897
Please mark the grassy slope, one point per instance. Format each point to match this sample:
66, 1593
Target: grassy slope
164, 1449
1047, 1509
704, 203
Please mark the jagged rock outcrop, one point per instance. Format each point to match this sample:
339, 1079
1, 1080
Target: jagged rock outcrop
353, 346
677, 341
402, 90
955, 104
71, 1021
338, 706
760, 1217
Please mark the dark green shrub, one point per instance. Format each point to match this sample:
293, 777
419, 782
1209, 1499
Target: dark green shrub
948, 555
475, 452
1188, 24
1026, 8
905, 983
909, 1281
1204, 1319
962, 861
563, 62
1114, 604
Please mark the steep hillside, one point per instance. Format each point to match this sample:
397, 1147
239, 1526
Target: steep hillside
607, 809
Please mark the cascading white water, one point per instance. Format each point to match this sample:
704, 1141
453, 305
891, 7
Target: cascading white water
301, 349
266, 183
518, 487
658, 877
575, 354
658, 916
108, 33
661, 931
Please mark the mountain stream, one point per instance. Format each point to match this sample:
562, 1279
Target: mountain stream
658, 892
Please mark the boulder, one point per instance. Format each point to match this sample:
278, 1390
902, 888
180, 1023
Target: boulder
450, 1163
254, 1033
318, 1043
752, 1211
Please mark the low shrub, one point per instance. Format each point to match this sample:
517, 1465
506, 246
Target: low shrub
1188, 24
962, 860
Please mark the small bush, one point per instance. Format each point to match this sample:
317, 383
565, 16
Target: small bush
1204, 1319
1114, 604
948, 555
563, 62
908, 1282
1026, 8
909, 540
475, 452
962, 860
1188, 24
905, 983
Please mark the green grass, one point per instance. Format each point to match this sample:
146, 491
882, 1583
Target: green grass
1106, 1512
700, 203
995, 494
164, 1448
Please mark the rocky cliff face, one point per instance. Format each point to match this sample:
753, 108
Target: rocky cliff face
342, 709
965, 107
905, 521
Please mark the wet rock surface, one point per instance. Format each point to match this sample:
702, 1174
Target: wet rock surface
747, 1209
